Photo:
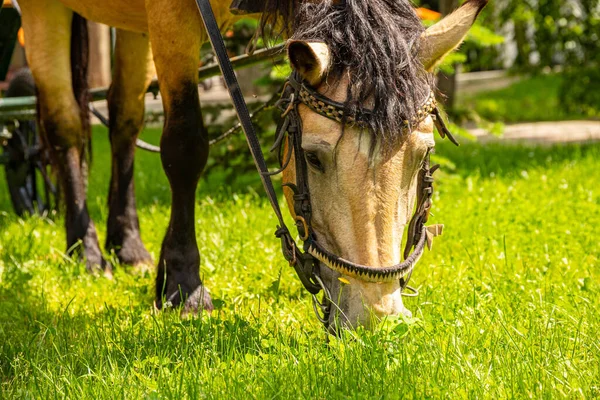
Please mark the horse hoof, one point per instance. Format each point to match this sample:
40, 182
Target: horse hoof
108, 274
143, 267
134, 253
199, 300
99, 266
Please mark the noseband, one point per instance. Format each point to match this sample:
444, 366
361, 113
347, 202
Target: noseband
306, 263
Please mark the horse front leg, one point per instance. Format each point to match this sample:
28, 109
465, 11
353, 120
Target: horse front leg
184, 152
132, 72
174, 34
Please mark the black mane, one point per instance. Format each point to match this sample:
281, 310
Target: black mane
375, 42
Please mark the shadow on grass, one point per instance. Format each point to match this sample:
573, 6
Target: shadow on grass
117, 336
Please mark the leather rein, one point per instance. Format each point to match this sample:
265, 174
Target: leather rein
307, 262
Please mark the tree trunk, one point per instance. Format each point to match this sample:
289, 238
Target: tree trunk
447, 83
523, 47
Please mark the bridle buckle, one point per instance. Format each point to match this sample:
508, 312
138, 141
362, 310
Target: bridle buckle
304, 232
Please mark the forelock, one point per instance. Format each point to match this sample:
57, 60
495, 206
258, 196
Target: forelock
376, 43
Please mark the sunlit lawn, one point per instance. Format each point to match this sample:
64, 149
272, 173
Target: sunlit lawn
509, 304
535, 98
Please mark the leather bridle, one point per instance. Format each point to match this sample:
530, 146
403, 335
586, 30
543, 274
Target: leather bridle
306, 262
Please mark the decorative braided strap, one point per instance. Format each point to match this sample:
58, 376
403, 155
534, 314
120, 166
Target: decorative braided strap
337, 111
364, 272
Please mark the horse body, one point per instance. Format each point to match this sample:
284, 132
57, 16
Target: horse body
132, 16
360, 206
128, 15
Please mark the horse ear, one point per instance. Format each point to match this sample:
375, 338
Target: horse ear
445, 36
310, 59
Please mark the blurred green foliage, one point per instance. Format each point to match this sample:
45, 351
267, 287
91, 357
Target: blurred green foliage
230, 160
580, 93
546, 35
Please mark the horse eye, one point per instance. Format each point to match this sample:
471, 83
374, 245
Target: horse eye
313, 159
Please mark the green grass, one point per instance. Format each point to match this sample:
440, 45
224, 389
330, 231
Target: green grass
531, 99
509, 304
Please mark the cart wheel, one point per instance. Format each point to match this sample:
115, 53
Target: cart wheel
27, 168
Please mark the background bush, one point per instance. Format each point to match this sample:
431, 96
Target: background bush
548, 35
580, 92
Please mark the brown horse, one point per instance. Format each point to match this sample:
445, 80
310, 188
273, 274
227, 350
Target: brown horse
362, 181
